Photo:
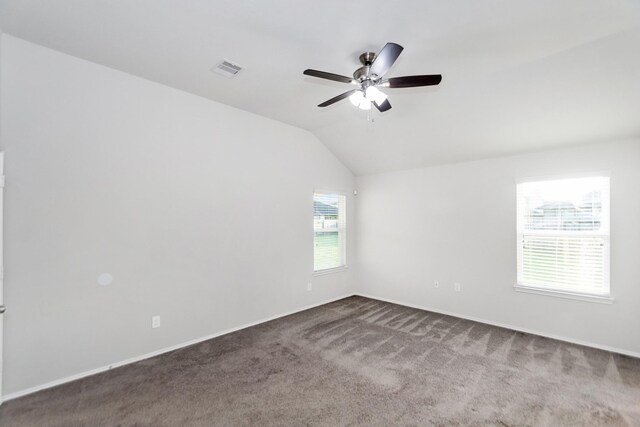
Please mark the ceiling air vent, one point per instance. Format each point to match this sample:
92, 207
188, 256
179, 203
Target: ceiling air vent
227, 68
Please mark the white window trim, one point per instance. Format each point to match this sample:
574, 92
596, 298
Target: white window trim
333, 270
344, 267
605, 298
579, 296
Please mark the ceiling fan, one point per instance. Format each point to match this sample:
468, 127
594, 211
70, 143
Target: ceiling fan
369, 78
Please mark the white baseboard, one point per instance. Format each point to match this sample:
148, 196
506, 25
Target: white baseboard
506, 326
84, 374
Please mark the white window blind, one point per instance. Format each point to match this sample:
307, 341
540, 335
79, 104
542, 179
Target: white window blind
329, 227
563, 235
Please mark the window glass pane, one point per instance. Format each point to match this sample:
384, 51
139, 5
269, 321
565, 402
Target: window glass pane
329, 230
569, 204
326, 250
568, 262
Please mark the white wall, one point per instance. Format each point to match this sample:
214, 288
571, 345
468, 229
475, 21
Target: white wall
458, 223
201, 212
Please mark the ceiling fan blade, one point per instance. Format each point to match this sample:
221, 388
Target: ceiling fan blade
338, 98
328, 76
385, 59
414, 81
385, 106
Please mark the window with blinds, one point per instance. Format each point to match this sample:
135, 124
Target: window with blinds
563, 235
329, 227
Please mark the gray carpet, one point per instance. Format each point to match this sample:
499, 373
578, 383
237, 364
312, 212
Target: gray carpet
353, 362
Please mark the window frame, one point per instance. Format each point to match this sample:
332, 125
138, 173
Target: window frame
604, 233
342, 233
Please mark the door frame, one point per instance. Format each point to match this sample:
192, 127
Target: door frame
1, 263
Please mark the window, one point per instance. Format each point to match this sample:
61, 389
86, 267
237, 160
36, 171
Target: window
563, 236
329, 231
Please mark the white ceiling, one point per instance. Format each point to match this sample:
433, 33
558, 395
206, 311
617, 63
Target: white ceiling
517, 75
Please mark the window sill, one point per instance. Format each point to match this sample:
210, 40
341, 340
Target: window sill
330, 270
565, 294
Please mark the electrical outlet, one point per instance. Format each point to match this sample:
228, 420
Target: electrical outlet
457, 287
309, 286
436, 284
155, 322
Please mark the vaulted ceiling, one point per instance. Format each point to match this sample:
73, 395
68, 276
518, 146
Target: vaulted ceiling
517, 75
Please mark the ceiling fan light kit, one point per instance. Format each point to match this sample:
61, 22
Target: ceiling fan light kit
373, 94
370, 76
359, 100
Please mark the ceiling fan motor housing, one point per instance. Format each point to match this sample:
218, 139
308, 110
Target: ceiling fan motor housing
362, 73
